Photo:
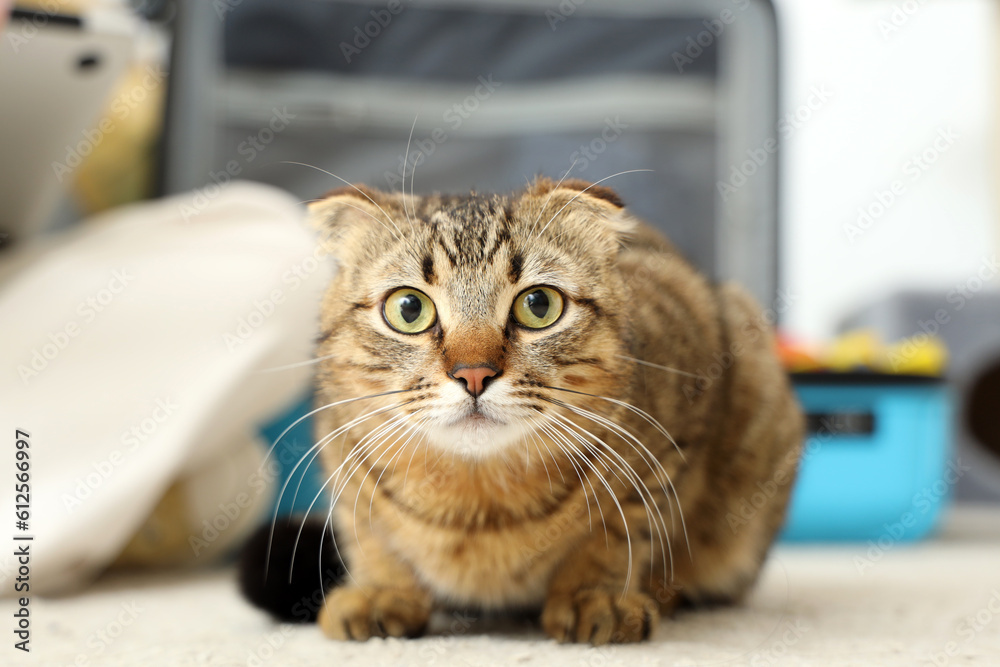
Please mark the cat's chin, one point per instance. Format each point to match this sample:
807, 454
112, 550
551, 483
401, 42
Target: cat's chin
476, 435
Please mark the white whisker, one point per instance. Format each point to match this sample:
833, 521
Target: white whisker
651, 461
636, 481
535, 441
317, 447
298, 364
320, 409
387, 431
409, 433
354, 452
628, 406
621, 512
406, 158
620, 173
576, 469
315, 450
657, 366
546, 202
349, 184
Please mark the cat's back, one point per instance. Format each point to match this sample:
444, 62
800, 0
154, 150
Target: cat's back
675, 325
705, 352
706, 367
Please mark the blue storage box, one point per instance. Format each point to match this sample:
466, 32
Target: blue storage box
299, 473
875, 465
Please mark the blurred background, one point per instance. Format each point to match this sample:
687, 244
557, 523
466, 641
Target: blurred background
836, 157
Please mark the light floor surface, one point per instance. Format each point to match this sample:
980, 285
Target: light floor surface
833, 605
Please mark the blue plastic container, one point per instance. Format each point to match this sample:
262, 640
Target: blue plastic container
294, 456
875, 466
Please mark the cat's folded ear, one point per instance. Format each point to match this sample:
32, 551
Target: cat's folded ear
341, 214
543, 186
595, 206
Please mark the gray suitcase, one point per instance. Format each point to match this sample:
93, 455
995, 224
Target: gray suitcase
496, 92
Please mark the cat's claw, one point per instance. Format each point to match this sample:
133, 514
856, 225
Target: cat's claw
356, 613
599, 616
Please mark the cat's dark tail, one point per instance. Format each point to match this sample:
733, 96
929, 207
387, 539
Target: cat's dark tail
298, 598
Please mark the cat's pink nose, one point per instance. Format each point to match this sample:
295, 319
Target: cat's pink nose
475, 378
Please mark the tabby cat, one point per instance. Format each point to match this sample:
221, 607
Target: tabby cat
521, 412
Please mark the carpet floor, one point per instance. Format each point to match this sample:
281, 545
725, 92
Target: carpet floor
937, 602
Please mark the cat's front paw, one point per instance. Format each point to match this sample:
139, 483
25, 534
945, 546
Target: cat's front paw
358, 613
599, 616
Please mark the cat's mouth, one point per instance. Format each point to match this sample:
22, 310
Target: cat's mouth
476, 417
477, 430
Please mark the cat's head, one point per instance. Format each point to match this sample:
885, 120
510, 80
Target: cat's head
481, 310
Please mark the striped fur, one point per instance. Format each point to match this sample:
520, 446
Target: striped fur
549, 491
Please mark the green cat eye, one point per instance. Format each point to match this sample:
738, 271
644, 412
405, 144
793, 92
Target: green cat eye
538, 307
409, 311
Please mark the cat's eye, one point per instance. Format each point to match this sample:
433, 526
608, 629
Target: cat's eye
409, 311
538, 307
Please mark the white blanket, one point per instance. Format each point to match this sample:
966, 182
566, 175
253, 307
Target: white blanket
132, 351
